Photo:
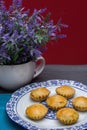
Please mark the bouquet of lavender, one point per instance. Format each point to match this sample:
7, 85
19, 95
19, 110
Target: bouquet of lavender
23, 36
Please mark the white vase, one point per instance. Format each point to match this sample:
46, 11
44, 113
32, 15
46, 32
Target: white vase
15, 76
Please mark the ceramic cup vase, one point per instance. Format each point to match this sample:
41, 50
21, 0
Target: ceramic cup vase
13, 77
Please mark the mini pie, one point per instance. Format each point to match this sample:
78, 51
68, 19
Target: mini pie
39, 94
36, 111
80, 103
66, 91
67, 116
56, 102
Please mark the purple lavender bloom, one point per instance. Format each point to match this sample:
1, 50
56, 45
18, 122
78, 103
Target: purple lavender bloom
3, 53
1, 28
35, 52
6, 37
23, 36
60, 24
2, 6
41, 10
60, 36
17, 3
30, 30
10, 9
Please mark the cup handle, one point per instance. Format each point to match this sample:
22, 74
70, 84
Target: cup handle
39, 67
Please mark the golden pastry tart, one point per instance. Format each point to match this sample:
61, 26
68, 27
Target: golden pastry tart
66, 91
56, 102
39, 94
36, 111
67, 116
80, 103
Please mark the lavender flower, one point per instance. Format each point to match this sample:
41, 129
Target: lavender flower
23, 37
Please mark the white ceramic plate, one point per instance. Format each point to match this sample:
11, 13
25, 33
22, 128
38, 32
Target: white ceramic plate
20, 99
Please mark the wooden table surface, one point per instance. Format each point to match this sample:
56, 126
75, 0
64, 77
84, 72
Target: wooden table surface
68, 72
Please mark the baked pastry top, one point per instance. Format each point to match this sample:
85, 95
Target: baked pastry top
67, 116
66, 91
56, 102
80, 103
39, 94
36, 111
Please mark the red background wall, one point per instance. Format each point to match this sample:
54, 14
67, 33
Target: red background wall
73, 49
